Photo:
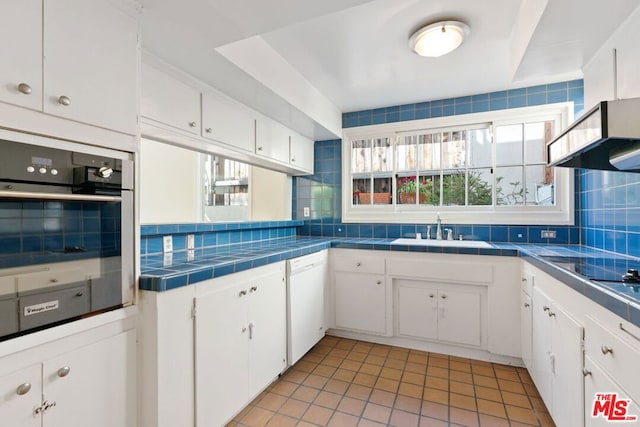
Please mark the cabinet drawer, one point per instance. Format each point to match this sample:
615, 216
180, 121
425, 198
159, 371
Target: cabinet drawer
49, 278
359, 263
615, 355
48, 307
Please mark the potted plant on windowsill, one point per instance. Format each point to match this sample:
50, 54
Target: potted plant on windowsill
407, 190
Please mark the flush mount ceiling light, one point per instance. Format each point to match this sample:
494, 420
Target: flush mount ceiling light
439, 38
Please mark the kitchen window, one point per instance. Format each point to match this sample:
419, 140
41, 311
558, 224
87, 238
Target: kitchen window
477, 168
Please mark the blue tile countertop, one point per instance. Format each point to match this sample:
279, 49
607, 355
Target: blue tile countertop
164, 272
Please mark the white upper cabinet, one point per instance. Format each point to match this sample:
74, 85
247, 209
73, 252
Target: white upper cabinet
301, 152
21, 53
90, 65
227, 122
272, 140
169, 101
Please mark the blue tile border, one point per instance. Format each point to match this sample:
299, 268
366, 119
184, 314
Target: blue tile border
512, 98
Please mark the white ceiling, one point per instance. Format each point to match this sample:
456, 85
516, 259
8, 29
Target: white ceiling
355, 52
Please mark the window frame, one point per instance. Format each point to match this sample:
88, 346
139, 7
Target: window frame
560, 214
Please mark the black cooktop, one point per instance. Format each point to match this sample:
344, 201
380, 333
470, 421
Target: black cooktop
620, 274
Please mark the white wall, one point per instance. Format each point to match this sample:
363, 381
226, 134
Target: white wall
270, 195
169, 183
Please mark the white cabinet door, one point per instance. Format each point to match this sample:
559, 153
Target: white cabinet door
91, 58
272, 140
93, 385
567, 355
169, 101
225, 121
301, 152
221, 352
525, 328
20, 395
267, 323
21, 53
306, 311
597, 382
541, 346
459, 316
417, 310
360, 302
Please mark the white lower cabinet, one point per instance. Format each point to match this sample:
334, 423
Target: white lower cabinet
240, 344
557, 359
597, 382
446, 313
360, 302
526, 329
92, 385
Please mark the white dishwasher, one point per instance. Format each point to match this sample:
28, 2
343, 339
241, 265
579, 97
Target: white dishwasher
305, 303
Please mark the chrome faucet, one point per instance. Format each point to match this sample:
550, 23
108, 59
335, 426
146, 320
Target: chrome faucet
439, 228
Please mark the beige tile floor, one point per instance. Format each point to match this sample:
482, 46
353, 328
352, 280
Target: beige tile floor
344, 383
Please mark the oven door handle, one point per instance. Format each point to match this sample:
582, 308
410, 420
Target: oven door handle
59, 196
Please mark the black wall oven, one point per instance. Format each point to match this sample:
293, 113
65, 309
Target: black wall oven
66, 232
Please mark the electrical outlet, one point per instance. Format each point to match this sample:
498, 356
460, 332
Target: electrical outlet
548, 234
306, 212
191, 241
167, 244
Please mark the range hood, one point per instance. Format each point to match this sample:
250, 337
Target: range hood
607, 137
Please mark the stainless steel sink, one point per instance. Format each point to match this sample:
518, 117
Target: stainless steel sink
443, 243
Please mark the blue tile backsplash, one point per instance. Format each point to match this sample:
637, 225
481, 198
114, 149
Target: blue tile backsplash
322, 191
610, 214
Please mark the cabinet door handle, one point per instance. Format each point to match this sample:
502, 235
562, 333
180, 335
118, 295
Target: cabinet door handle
208, 130
64, 100
64, 371
242, 293
192, 124
586, 372
23, 389
251, 331
358, 264
244, 330
378, 282
527, 305
443, 296
253, 289
524, 280
293, 160
260, 148
431, 295
24, 88
545, 308
606, 350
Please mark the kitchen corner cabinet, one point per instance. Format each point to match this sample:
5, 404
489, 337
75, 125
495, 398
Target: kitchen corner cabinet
301, 152
557, 354
92, 385
73, 59
360, 291
240, 343
227, 122
450, 313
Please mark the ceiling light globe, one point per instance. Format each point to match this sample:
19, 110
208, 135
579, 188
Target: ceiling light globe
439, 38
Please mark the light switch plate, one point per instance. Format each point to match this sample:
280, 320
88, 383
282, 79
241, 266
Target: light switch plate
306, 212
191, 241
548, 234
167, 244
